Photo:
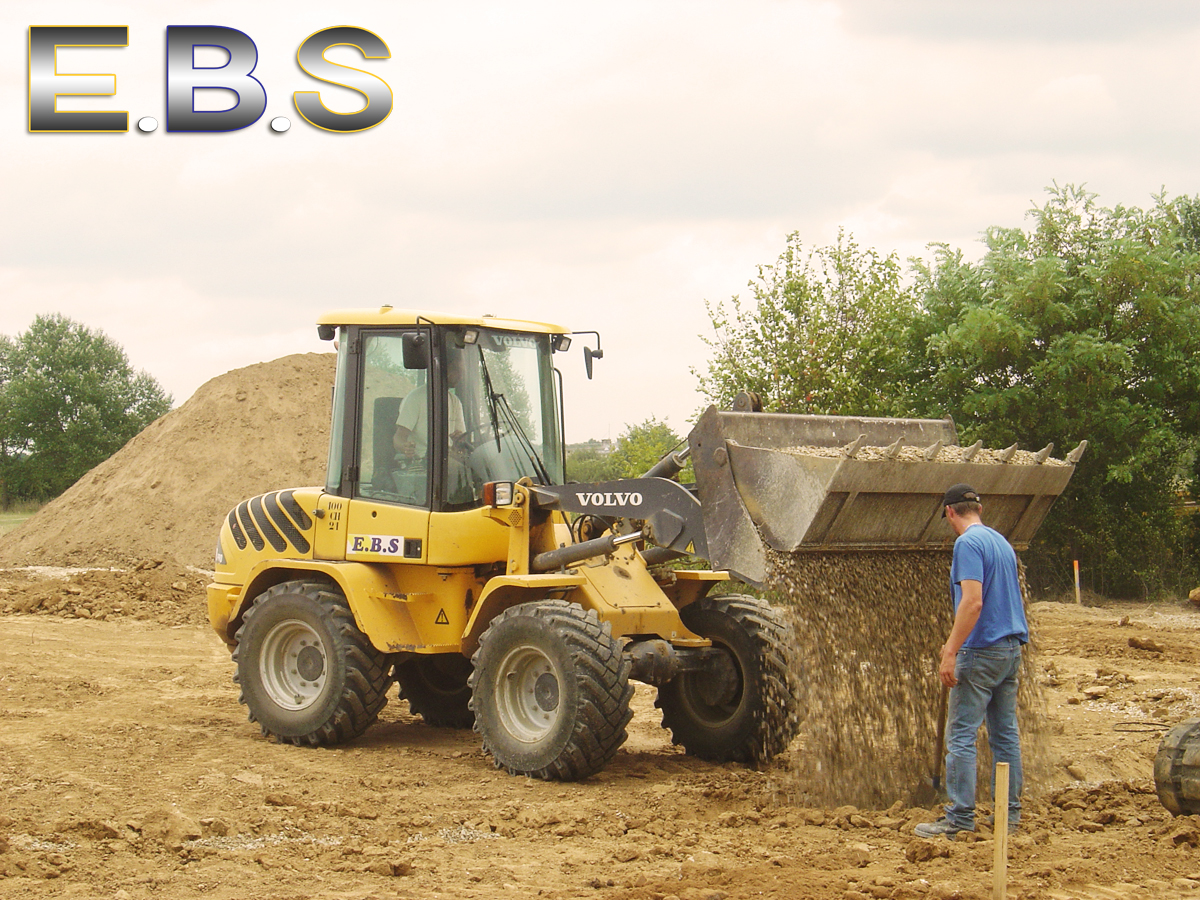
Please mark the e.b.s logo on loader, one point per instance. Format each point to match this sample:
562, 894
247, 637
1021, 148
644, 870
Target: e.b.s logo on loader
186, 80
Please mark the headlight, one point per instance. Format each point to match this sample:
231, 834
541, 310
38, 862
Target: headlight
498, 493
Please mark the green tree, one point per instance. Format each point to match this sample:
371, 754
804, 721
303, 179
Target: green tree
828, 330
588, 466
1085, 326
640, 446
637, 449
69, 399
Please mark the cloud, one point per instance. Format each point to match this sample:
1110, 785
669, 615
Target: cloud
608, 166
1020, 21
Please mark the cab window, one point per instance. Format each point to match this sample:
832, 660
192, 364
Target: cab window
394, 444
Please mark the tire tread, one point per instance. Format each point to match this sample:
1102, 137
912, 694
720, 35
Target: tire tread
368, 670
605, 693
446, 707
773, 719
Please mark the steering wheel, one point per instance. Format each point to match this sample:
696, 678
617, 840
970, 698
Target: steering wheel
476, 437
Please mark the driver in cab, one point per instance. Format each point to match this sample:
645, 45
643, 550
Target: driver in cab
412, 422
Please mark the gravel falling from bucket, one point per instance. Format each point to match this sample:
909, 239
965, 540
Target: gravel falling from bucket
869, 627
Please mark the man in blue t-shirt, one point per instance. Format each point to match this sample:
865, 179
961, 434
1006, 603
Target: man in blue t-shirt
979, 660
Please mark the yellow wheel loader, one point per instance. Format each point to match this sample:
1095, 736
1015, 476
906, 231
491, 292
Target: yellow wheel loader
446, 553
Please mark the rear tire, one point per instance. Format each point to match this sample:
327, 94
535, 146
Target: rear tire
550, 691
745, 709
436, 689
308, 675
1177, 767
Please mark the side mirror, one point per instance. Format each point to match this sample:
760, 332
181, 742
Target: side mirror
326, 332
588, 355
415, 349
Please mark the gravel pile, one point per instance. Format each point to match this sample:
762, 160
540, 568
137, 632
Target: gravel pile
949, 454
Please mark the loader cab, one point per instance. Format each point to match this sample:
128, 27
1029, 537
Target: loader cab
426, 413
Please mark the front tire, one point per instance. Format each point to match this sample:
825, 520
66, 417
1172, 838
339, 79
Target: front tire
436, 689
744, 708
550, 691
308, 675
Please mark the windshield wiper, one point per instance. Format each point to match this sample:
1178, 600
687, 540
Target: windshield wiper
491, 398
498, 403
543, 473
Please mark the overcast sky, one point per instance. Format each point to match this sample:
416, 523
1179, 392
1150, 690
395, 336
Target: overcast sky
606, 166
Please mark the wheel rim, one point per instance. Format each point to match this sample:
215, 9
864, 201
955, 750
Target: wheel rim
293, 665
527, 694
715, 696
445, 678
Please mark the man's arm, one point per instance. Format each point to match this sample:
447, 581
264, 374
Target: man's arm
969, 608
402, 442
412, 410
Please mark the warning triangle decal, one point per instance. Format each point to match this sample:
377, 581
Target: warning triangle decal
441, 619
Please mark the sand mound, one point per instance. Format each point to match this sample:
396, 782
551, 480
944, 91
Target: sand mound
163, 495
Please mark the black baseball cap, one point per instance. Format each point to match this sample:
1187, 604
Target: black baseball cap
957, 493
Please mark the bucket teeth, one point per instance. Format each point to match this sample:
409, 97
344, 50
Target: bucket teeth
851, 450
790, 483
1074, 456
1044, 454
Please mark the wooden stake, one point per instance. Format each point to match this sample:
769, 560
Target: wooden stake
1000, 834
1077, 598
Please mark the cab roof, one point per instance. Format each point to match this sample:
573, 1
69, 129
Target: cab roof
388, 315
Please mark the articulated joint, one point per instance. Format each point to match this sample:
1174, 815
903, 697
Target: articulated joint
656, 662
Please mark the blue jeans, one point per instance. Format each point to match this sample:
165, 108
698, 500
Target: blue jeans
986, 689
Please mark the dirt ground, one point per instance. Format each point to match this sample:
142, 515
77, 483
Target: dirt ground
128, 770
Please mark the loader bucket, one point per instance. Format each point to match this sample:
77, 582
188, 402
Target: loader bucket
834, 483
